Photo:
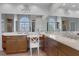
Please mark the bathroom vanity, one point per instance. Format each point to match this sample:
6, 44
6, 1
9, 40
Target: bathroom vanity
56, 45
51, 44
14, 43
55, 48
17, 42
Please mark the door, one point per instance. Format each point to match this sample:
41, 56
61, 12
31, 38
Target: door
46, 45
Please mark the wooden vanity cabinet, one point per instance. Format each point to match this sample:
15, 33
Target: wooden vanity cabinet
22, 44
42, 41
55, 48
14, 44
67, 51
10, 45
50, 47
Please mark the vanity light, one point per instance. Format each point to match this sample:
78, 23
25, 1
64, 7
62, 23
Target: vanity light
73, 5
69, 11
34, 6
64, 4
24, 8
77, 12
21, 7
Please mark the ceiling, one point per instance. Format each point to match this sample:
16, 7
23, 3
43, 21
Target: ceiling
72, 6
67, 7
44, 5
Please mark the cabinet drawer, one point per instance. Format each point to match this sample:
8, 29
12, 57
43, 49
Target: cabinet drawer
10, 38
15, 37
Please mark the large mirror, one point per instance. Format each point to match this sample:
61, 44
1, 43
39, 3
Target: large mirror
56, 24
53, 24
7, 22
70, 24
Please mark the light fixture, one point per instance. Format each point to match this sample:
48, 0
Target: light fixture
64, 4
73, 5
24, 8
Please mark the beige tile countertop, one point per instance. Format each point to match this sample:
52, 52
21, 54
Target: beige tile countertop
12, 34
32, 34
67, 41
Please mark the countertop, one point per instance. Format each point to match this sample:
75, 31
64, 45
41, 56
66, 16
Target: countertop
30, 34
12, 34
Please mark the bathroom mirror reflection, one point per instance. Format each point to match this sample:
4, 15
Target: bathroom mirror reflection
7, 22
70, 24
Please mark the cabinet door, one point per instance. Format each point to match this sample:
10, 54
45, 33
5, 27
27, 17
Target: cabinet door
21, 44
68, 50
52, 49
42, 41
3, 42
10, 45
45, 45
60, 53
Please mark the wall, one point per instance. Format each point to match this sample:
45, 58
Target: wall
41, 24
0, 34
38, 26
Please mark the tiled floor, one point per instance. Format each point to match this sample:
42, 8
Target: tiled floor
41, 53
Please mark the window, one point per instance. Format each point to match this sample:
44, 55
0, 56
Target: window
24, 24
52, 24
73, 26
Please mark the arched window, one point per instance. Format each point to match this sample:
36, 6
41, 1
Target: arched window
24, 24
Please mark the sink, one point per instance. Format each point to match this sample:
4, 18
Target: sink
52, 36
